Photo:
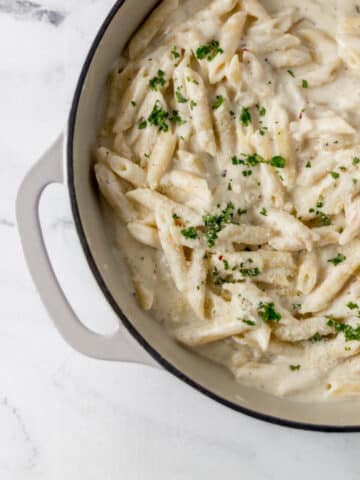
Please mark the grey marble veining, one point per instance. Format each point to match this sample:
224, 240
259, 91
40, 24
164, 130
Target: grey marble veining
32, 10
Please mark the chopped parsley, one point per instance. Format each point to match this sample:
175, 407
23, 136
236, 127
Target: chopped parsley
133, 103
250, 272
251, 160
340, 258
158, 80
241, 211
304, 84
190, 233
179, 96
175, 52
261, 110
262, 130
294, 368
320, 202
218, 102
350, 333
232, 114
356, 161
142, 124
352, 306
316, 338
263, 212
226, 264
247, 173
193, 104
308, 165
175, 216
192, 80
249, 322
335, 175
323, 218
175, 118
209, 51
291, 73
268, 312
158, 117
277, 161
229, 187
215, 223
245, 117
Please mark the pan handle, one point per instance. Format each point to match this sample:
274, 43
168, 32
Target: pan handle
118, 346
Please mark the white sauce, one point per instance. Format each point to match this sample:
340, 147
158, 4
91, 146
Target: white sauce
308, 370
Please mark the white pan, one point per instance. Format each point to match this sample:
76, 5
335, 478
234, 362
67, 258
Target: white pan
139, 338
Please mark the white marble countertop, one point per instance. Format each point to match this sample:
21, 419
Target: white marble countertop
64, 416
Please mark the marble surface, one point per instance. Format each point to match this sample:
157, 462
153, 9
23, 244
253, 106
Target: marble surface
64, 416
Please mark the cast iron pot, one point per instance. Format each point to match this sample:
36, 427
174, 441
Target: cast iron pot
139, 337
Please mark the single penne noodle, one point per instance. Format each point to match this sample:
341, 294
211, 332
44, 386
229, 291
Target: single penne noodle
293, 57
135, 93
172, 250
199, 194
337, 277
151, 27
144, 234
160, 158
201, 117
123, 167
308, 273
151, 200
113, 191
225, 129
243, 234
196, 282
230, 39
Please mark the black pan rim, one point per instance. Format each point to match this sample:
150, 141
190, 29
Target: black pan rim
101, 283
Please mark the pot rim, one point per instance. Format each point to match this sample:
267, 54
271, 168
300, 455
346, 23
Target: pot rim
71, 125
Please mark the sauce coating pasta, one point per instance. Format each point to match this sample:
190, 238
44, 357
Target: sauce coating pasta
230, 156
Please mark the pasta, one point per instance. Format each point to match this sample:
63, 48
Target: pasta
233, 167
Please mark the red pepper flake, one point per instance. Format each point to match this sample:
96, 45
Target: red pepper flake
300, 115
220, 257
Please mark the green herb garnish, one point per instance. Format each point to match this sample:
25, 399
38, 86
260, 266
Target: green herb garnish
209, 50
158, 117
277, 161
189, 233
179, 96
215, 223
294, 368
218, 102
261, 110
245, 117
316, 338
249, 322
250, 272
193, 104
340, 258
142, 124
175, 53
268, 312
263, 212
304, 84
158, 80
